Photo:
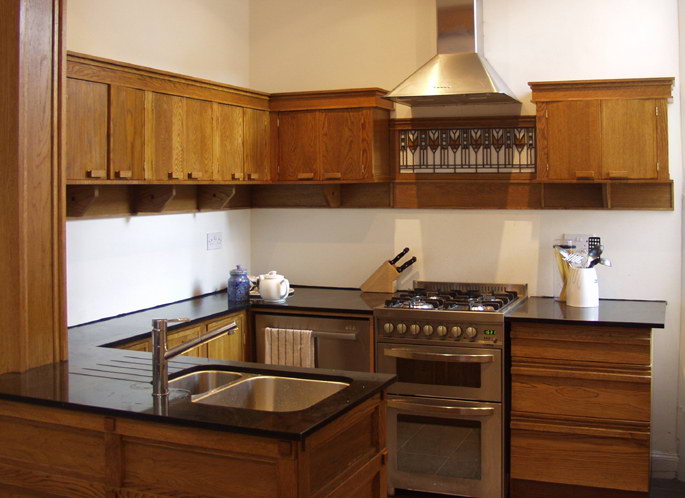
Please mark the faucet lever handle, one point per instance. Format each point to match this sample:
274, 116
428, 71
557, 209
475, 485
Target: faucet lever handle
157, 322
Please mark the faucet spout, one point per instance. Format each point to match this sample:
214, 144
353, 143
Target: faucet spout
161, 355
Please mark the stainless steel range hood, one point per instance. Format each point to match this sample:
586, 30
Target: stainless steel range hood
459, 74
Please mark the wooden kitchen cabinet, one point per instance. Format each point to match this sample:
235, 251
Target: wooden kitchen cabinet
86, 130
127, 133
332, 136
602, 129
178, 337
228, 347
257, 145
580, 409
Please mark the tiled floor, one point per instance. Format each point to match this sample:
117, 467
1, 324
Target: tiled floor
661, 488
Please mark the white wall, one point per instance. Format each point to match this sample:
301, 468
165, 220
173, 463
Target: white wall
309, 44
126, 264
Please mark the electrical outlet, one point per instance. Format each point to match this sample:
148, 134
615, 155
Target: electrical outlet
214, 241
579, 240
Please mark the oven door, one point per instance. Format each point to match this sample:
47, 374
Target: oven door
445, 446
448, 372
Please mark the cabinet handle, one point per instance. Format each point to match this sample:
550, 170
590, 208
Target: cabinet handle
194, 175
618, 174
305, 176
123, 173
96, 173
330, 175
173, 175
253, 176
236, 176
586, 175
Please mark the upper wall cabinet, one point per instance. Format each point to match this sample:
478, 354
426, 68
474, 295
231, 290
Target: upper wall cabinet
332, 136
602, 129
130, 123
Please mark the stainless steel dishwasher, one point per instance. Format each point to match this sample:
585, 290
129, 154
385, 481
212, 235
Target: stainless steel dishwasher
340, 343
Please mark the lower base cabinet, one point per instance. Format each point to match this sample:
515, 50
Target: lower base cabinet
50, 452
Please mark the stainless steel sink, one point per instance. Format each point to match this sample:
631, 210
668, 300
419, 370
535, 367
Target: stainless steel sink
204, 381
273, 394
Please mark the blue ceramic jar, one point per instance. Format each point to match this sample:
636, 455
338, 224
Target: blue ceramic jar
238, 286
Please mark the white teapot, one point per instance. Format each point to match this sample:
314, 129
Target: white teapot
273, 287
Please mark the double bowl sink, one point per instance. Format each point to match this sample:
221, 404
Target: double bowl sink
255, 391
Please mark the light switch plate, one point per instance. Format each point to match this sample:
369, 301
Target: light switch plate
214, 241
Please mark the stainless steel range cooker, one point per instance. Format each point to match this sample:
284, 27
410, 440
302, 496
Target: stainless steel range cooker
445, 343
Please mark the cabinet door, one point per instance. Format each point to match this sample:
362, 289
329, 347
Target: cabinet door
179, 337
573, 140
166, 119
199, 135
145, 346
298, 145
127, 129
228, 142
228, 347
86, 130
257, 145
629, 139
344, 144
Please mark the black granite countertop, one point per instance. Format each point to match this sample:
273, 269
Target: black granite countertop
617, 312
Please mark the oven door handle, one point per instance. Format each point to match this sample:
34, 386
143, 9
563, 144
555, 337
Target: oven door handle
483, 411
411, 354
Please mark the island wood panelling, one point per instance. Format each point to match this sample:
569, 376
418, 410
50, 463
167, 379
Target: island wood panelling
51, 452
580, 414
33, 328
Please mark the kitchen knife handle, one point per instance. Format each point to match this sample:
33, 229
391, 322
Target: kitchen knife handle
406, 265
399, 256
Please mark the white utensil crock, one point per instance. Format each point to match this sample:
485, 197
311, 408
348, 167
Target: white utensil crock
582, 288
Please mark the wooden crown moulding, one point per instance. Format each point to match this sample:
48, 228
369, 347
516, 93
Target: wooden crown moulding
97, 69
331, 99
638, 88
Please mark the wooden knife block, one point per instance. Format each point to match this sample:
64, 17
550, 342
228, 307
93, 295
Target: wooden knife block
382, 280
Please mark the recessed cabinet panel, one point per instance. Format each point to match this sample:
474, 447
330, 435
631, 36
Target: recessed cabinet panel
256, 133
573, 140
166, 119
127, 130
86, 130
176, 338
229, 347
343, 144
298, 137
629, 139
199, 135
228, 142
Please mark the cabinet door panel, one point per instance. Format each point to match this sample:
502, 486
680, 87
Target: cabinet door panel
127, 128
257, 145
629, 139
167, 136
199, 134
228, 347
177, 338
228, 142
86, 130
343, 144
573, 139
298, 144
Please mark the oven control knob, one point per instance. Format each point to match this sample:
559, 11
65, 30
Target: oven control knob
471, 332
442, 330
427, 330
455, 331
388, 328
414, 329
401, 328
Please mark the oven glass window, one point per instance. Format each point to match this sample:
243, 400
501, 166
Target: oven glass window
439, 373
438, 446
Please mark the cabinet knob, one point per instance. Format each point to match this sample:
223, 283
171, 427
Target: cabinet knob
253, 176
174, 176
305, 176
194, 175
123, 173
332, 175
236, 176
585, 175
96, 173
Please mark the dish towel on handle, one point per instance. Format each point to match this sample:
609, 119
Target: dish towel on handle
289, 347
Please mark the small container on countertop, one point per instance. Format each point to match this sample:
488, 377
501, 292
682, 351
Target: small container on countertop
238, 288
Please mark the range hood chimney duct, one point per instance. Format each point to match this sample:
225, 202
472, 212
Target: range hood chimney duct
458, 74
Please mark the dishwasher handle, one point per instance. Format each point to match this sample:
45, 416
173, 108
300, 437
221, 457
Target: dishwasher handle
340, 336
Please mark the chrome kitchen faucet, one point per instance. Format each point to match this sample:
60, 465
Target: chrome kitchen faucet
161, 356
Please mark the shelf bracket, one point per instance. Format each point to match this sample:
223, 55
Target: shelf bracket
152, 198
80, 198
214, 196
332, 194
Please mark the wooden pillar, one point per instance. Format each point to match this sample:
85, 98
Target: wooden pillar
32, 223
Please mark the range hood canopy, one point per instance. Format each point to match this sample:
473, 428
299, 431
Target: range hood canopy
459, 74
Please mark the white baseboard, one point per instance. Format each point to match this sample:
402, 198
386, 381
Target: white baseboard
664, 465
